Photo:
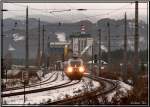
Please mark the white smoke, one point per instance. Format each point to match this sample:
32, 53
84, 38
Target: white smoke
104, 48
17, 37
61, 36
141, 39
11, 48
131, 45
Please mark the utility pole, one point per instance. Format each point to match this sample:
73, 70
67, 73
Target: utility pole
2, 32
47, 56
99, 51
38, 51
2, 36
92, 58
136, 43
2, 60
25, 81
24, 91
27, 51
43, 55
125, 48
109, 50
27, 47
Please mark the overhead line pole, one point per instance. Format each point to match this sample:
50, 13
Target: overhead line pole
27, 51
109, 56
24, 92
92, 58
99, 51
2, 61
2, 36
125, 48
27, 47
38, 54
136, 43
43, 40
2, 32
43, 56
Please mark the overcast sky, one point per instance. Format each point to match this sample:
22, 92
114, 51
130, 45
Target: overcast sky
94, 12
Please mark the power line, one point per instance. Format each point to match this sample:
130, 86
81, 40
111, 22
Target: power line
86, 17
107, 13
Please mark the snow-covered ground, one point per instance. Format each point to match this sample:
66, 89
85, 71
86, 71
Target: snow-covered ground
85, 84
57, 82
123, 89
11, 83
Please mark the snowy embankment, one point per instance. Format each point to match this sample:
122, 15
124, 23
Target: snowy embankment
121, 91
47, 84
12, 83
85, 84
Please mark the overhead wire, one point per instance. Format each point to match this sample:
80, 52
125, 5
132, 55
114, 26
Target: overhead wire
86, 17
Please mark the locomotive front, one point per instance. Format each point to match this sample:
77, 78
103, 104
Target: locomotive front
75, 69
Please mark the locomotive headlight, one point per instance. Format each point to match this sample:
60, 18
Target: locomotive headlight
81, 69
69, 69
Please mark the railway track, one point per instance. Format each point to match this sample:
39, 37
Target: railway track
36, 84
66, 84
107, 86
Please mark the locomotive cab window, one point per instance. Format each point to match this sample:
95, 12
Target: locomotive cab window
75, 63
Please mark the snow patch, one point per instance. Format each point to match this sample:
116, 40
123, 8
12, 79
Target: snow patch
57, 94
110, 96
124, 88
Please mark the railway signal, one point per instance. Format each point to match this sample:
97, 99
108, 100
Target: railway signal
25, 81
95, 58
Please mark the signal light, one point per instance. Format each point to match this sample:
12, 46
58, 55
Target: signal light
95, 58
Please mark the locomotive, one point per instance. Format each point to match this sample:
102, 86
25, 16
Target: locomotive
75, 68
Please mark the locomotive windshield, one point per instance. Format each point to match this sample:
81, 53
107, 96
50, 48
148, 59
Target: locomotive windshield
75, 63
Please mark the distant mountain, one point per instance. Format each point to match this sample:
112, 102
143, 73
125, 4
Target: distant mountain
10, 24
52, 18
116, 33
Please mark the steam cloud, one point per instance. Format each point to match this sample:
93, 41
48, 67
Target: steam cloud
61, 36
11, 48
104, 48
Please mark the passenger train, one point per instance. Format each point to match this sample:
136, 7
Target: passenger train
75, 68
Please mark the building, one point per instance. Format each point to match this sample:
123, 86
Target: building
58, 50
81, 41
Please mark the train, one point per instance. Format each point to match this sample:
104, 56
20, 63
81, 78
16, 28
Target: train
75, 68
